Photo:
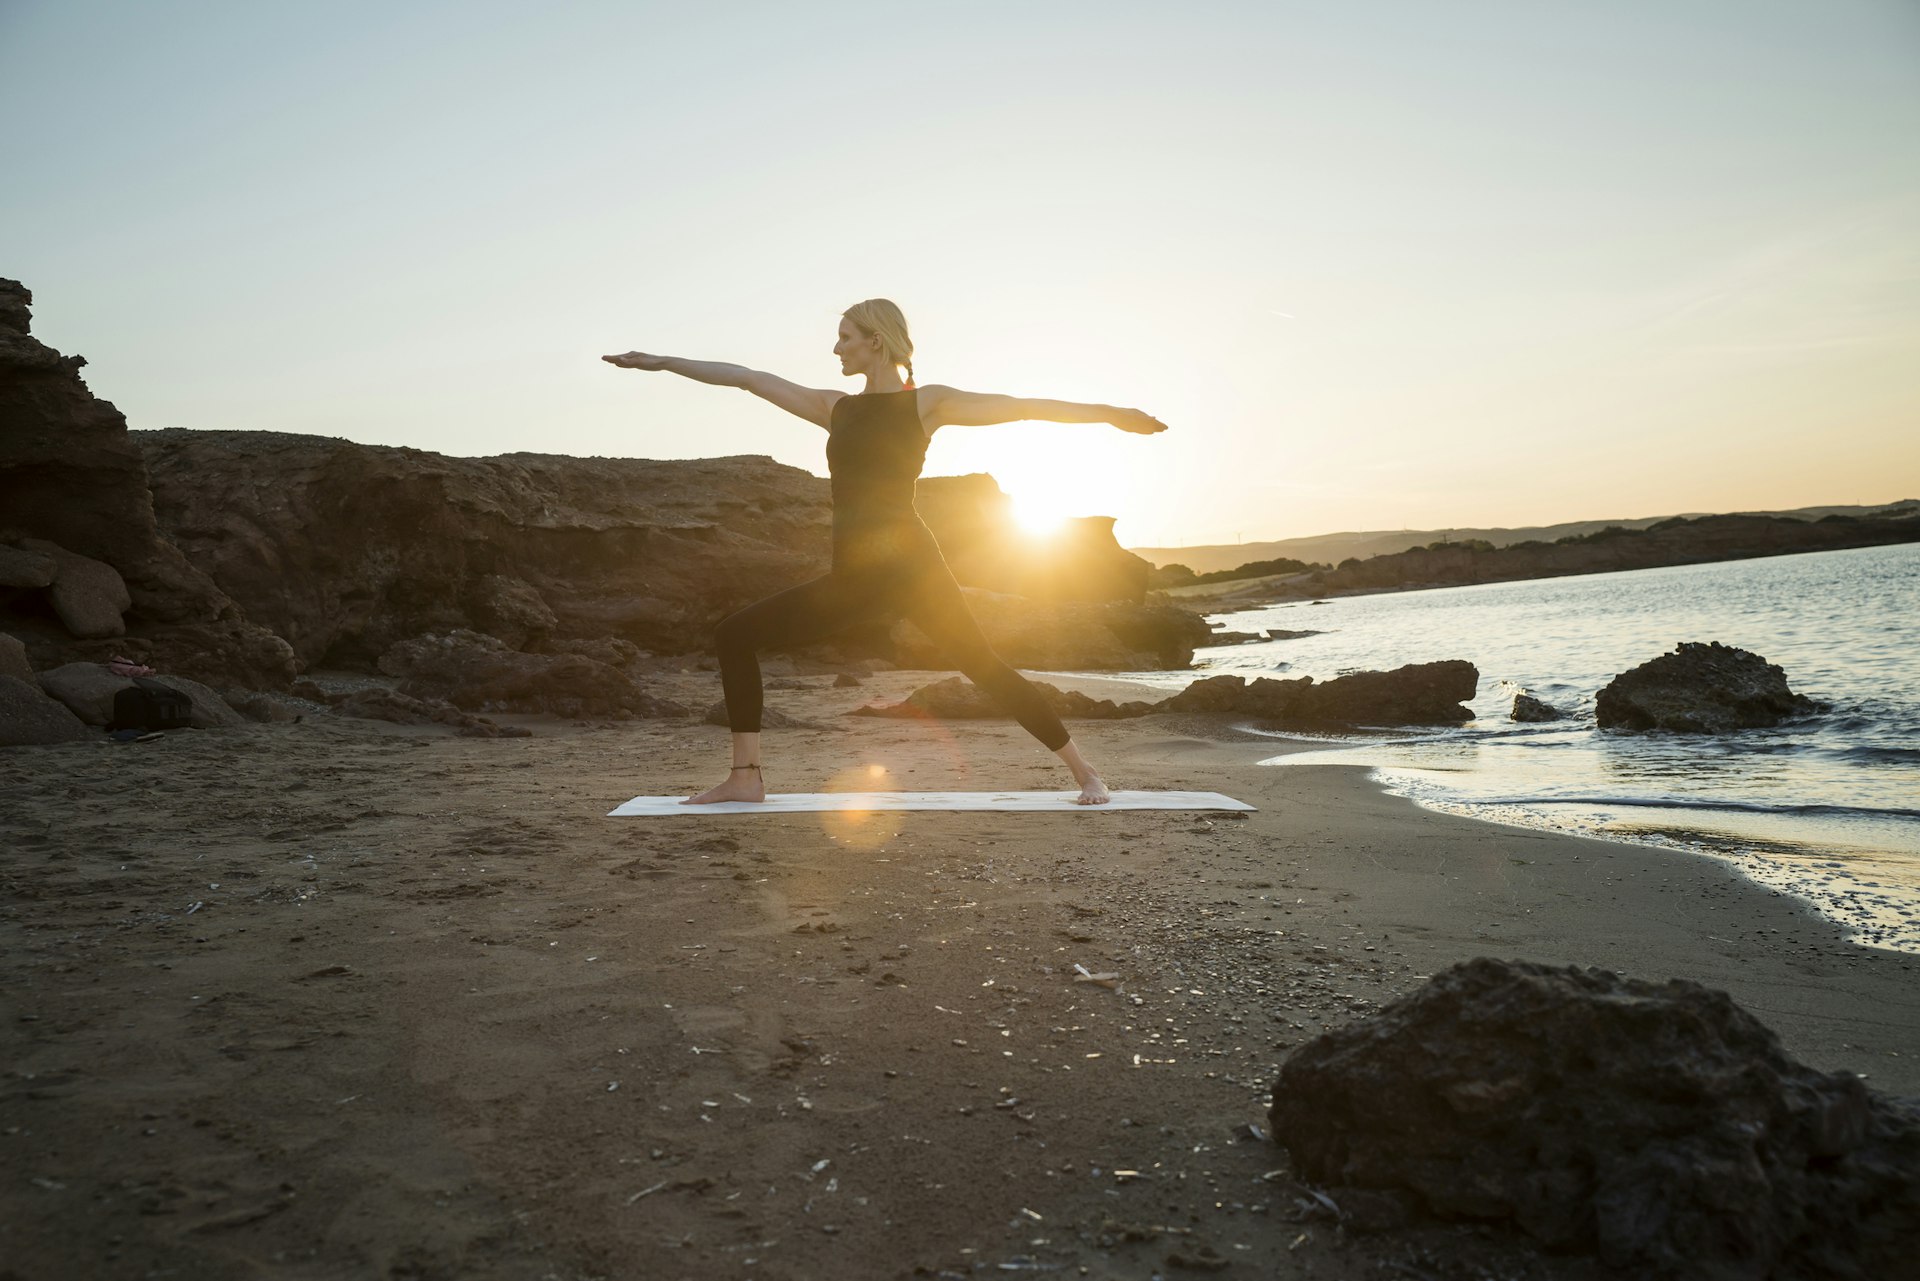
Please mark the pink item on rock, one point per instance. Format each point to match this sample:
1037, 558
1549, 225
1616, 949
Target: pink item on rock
122, 666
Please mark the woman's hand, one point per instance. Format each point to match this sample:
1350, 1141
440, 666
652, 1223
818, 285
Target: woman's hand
637, 360
1139, 422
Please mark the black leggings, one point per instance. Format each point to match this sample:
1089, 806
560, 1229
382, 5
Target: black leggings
923, 591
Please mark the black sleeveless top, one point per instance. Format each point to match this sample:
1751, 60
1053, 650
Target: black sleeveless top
875, 449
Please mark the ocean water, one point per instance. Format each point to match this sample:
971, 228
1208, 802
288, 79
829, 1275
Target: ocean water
1827, 808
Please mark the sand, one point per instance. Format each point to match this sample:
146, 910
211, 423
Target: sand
343, 999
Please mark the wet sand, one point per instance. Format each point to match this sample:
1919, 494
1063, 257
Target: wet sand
347, 999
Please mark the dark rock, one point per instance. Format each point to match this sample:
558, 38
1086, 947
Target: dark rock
481, 674
29, 718
376, 704
1281, 633
1417, 694
210, 711
1235, 638
88, 595
1265, 697
1530, 709
70, 475
1700, 689
13, 659
1105, 637
958, 698
1658, 1125
20, 568
846, 680
87, 690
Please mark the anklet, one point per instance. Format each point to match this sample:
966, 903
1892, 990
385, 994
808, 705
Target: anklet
754, 768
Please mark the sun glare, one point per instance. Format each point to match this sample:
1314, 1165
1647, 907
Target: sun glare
1038, 517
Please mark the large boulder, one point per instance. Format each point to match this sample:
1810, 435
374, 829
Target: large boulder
29, 718
1700, 689
1417, 694
1112, 636
88, 690
478, 673
13, 659
960, 699
1658, 1125
69, 475
21, 568
88, 595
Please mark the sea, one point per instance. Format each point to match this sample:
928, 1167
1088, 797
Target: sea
1826, 807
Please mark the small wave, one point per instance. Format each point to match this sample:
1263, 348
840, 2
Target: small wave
1683, 803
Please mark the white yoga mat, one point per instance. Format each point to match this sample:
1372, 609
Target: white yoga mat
815, 802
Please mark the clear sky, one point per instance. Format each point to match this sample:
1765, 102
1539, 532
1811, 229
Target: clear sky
1380, 264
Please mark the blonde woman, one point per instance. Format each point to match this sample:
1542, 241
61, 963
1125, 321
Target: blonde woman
886, 564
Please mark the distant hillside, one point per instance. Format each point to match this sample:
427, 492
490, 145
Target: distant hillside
1334, 548
1678, 540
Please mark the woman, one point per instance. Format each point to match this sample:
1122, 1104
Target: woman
886, 564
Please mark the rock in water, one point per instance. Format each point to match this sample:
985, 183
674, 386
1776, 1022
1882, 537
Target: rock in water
1658, 1125
1527, 708
1417, 694
1700, 689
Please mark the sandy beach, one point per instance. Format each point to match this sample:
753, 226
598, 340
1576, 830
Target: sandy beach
346, 999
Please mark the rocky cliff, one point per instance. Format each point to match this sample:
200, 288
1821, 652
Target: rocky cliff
84, 569
346, 549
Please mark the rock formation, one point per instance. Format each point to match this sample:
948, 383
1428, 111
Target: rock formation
960, 699
1658, 1125
1417, 694
1700, 689
81, 558
346, 549
1528, 709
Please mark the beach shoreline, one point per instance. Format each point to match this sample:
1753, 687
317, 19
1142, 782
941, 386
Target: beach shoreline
344, 997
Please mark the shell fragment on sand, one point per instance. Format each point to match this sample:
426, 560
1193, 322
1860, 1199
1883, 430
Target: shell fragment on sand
817, 802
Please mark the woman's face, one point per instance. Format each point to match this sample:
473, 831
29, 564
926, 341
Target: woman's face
855, 349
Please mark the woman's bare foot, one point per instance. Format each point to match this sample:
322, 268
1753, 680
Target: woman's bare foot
743, 784
1092, 790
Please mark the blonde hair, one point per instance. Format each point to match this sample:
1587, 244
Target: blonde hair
881, 318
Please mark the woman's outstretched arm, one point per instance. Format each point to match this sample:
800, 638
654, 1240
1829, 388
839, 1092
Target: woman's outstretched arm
952, 407
809, 403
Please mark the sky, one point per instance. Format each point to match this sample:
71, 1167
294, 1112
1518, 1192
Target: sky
1385, 264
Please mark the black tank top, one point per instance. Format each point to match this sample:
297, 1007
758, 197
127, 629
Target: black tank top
875, 450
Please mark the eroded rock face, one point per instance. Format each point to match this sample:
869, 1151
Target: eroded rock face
960, 699
1417, 694
70, 476
348, 549
1700, 689
1658, 1125
478, 673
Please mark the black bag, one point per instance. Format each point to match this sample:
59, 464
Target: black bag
151, 705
